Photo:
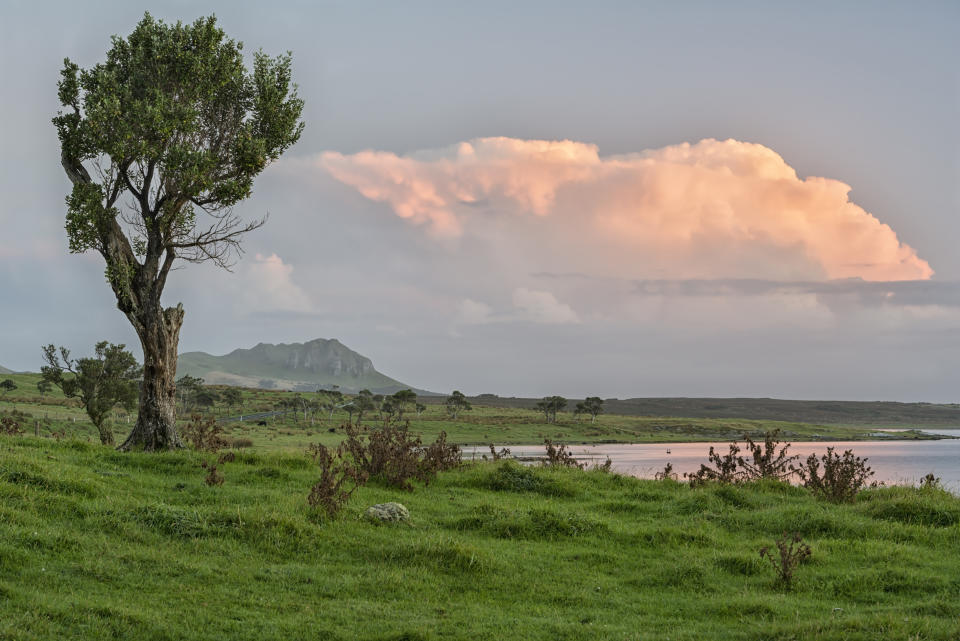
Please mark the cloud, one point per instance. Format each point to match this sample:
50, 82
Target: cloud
529, 306
471, 312
542, 307
268, 285
725, 209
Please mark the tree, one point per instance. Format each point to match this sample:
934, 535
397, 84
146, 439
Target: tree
174, 129
592, 405
363, 402
550, 405
108, 379
44, 387
7, 385
205, 398
387, 407
330, 400
420, 408
457, 403
579, 410
232, 396
401, 399
188, 388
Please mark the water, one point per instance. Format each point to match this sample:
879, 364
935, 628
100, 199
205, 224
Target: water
899, 462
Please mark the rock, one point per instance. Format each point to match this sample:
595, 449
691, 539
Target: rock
387, 513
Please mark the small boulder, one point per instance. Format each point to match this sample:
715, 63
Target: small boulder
387, 513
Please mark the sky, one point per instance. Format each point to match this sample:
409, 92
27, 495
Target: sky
530, 198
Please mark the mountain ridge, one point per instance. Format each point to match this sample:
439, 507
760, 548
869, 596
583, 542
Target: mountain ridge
304, 366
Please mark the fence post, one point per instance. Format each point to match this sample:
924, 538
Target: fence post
36, 428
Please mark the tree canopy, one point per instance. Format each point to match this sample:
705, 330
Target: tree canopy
457, 402
109, 378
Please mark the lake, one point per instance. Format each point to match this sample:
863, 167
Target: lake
900, 462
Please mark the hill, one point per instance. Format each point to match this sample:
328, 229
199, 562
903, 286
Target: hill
886, 413
295, 366
4, 370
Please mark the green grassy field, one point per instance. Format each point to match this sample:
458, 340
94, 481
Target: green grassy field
97, 544
484, 424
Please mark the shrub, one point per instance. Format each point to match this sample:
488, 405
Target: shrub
606, 466
764, 462
791, 552
841, 477
930, 482
497, 456
560, 456
205, 435
339, 478
239, 443
395, 456
213, 478
9, 427
724, 468
666, 473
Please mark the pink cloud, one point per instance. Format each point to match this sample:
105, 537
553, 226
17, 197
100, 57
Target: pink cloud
710, 209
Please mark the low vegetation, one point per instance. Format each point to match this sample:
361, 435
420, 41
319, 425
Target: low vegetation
293, 420
98, 544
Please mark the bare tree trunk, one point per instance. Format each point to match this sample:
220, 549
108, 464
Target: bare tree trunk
156, 427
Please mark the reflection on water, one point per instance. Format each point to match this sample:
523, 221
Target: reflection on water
902, 462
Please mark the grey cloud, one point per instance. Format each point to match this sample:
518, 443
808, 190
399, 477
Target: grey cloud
867, 293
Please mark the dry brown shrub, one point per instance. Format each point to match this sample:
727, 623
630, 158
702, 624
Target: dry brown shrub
205, 435
560, 456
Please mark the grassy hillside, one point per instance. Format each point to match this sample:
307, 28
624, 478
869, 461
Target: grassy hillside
484, 424
4, 370
96, 544
886, 413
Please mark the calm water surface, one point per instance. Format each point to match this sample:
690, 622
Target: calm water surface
903, 462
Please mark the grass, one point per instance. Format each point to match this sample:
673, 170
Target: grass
484, 424
97, 544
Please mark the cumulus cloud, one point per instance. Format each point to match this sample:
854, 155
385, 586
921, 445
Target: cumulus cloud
542, 307
471, 312
268, 286
725, 209
528, 306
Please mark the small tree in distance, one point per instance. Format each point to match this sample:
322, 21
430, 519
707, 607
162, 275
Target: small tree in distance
363, 402
7, 385
457, 403
101, 383
401, 400
44, 387
232, 396
550, 405
592, 405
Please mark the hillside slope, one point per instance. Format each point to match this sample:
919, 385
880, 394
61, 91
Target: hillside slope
296, 366
4, 370
874, 413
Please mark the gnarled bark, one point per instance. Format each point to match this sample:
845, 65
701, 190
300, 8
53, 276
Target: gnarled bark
156, 423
